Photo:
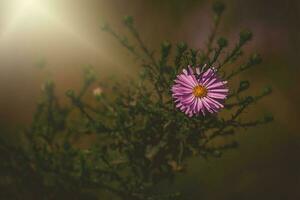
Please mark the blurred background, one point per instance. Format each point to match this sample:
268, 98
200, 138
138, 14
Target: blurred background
43, 38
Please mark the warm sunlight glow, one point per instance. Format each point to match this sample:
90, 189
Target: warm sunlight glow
33, 13
30, 4
23, 10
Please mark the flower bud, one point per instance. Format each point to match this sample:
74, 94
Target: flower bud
255, 59
165, 48
267, 90
182, 46
268, 118
70, 93
218, 7
222, 42
244, 85
166, 45
245, 36
128, 20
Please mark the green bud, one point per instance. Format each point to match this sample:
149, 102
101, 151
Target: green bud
244, 66
182, 46
166, 45
222, 42
128, 20
255, 59
245, 36
70, 93
193, 51
165, 48
267, 91
218, 7
268, 118
244, 85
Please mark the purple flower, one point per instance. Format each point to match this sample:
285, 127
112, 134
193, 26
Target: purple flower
199, 92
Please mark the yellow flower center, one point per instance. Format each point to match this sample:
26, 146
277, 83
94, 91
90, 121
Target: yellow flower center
199, 91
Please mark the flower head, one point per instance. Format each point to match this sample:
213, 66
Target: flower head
198, 92
97, 92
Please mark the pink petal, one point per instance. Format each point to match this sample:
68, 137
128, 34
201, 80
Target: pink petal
218, 84
199, 104
210, 82
218, 105
206, 105
188, 100
219, 90
216, 95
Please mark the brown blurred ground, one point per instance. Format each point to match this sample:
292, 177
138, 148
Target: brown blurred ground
267, 165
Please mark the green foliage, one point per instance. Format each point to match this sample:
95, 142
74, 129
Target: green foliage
141, 138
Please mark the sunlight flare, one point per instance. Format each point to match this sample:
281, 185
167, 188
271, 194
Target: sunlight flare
33, 12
